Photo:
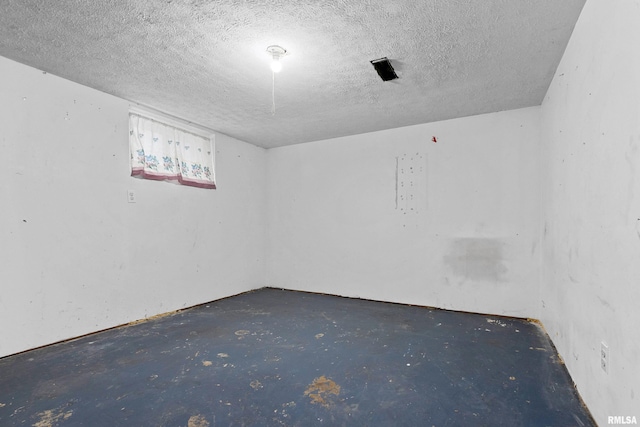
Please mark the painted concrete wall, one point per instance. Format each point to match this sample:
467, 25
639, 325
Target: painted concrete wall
75, 257
591, 149
394, 216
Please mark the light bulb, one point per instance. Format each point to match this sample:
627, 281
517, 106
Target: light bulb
276, 52
276, 65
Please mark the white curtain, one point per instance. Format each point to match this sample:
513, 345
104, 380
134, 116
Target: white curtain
163, 152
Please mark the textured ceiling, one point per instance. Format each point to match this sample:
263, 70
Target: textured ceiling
205, 61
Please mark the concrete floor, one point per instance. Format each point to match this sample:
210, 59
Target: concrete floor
282, 358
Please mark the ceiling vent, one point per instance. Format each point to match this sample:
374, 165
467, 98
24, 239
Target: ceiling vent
385, 69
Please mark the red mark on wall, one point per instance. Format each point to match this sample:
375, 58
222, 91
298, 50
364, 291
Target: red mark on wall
434, 139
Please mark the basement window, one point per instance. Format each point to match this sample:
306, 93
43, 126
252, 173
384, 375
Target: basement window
164, 152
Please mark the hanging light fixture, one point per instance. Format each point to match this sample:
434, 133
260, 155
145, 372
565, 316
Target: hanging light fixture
276, 53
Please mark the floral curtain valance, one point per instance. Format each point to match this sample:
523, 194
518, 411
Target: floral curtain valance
163, 152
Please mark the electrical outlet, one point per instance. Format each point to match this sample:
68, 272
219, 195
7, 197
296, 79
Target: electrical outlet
131, 196
604, 357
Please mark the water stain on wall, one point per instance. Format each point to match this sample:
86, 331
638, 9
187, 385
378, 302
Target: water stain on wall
322, 390
477, 259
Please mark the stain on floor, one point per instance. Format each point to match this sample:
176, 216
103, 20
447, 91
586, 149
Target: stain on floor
281, 358
322, 391
198, 421
52, 417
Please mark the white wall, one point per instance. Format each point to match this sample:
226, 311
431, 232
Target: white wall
591, 150
473, 245
75, 257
